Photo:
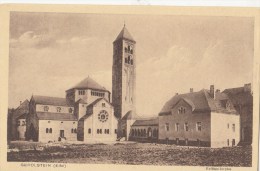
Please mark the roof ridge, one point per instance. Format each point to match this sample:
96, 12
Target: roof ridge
47, 96
207, 99
88, 83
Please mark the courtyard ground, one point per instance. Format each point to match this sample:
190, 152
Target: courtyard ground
129, 153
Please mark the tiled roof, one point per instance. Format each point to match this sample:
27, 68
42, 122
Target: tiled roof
239, 96
124, 34
199, 101
22, 109
46, 100
88, 83
146, 122
23, 116
56, 116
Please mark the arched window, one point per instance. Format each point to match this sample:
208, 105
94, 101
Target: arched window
125, 60
107, 131
89, 131
47, 130
125, 49
50, 130
72, 130
75, 130
97, 131
100, 131
131, 51
144, 133
128, 48
128, 60
132, 62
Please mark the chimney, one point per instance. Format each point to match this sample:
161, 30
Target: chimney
217, 90
217, 93
247, 87
191, 90
211, 91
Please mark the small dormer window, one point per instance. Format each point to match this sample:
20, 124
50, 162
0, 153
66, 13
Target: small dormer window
181, 110
228, 105
58, 109
46, 108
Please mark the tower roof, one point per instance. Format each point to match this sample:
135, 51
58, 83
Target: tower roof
124, 34
88, 83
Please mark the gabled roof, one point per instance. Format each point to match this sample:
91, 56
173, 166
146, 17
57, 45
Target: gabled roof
88, 83
147, 122
22, 109
239, 96
124, 34
96, 101
90, 106
47, 100
23, 116
23, 105
56, 116
200, 101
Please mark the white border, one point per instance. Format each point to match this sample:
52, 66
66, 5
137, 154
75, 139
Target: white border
227, 3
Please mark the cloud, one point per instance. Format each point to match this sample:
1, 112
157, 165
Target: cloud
30, 39
158, 79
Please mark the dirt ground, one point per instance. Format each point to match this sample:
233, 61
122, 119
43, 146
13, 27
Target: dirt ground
130, 153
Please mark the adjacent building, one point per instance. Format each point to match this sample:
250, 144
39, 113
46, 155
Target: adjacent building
199, 118
242, 99
145, 130
16, 122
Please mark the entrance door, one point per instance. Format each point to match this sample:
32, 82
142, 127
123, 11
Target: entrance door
62, 133
233, 142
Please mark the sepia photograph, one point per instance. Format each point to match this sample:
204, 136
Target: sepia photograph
131, 89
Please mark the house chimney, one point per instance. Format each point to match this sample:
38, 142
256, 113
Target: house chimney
211, 91
217, 90
217, 93
191, 90
247, 87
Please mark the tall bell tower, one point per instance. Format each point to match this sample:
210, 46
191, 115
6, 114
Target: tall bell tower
123, 74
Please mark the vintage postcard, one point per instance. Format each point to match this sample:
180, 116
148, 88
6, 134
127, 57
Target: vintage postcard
129, 87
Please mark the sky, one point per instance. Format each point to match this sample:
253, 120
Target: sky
51, 52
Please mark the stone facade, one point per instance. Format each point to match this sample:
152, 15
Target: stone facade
55, 130
123, 78
85, 107
99, 124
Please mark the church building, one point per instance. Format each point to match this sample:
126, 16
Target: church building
86, 114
